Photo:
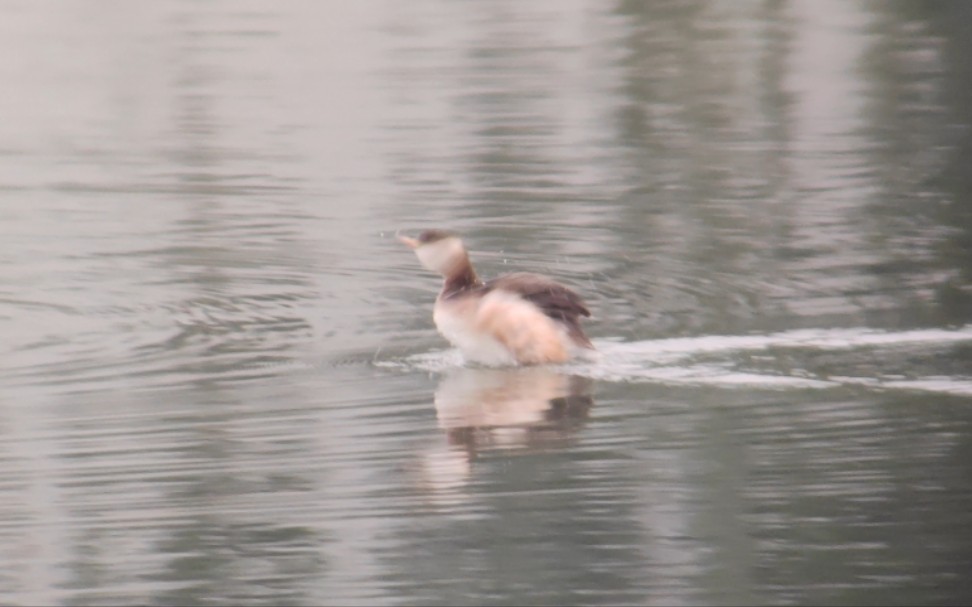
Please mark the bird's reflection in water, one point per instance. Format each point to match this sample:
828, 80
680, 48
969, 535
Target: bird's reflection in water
482, 409
510, 407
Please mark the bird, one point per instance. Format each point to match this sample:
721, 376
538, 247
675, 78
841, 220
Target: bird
520, 318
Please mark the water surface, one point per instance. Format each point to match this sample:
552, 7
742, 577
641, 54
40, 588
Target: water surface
221, 383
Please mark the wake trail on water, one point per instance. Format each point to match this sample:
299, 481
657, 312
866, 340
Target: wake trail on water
870, 358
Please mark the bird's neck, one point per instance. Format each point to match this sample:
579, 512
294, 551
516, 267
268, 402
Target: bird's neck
461, 277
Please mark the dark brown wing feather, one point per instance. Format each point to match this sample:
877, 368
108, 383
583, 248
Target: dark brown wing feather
554, 299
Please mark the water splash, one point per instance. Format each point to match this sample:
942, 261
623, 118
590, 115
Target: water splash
752, 361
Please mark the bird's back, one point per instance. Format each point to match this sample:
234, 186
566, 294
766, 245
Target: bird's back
554, 299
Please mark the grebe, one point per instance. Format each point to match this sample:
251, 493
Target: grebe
518, 318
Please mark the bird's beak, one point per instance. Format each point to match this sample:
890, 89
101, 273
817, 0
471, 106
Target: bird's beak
409, 242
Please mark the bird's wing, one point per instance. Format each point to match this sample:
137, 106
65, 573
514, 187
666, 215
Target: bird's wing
554, 299
522, 327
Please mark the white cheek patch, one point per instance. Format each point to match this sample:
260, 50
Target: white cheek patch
440, 256
429, 256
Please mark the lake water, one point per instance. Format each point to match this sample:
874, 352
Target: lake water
221, 384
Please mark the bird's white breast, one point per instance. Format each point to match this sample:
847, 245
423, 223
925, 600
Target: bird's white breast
456, 321
501, 328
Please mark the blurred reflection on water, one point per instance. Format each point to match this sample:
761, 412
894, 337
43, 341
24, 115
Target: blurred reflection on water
221, 383
519, 406
487, 409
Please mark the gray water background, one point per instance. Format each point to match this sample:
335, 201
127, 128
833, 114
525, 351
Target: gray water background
220, 380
